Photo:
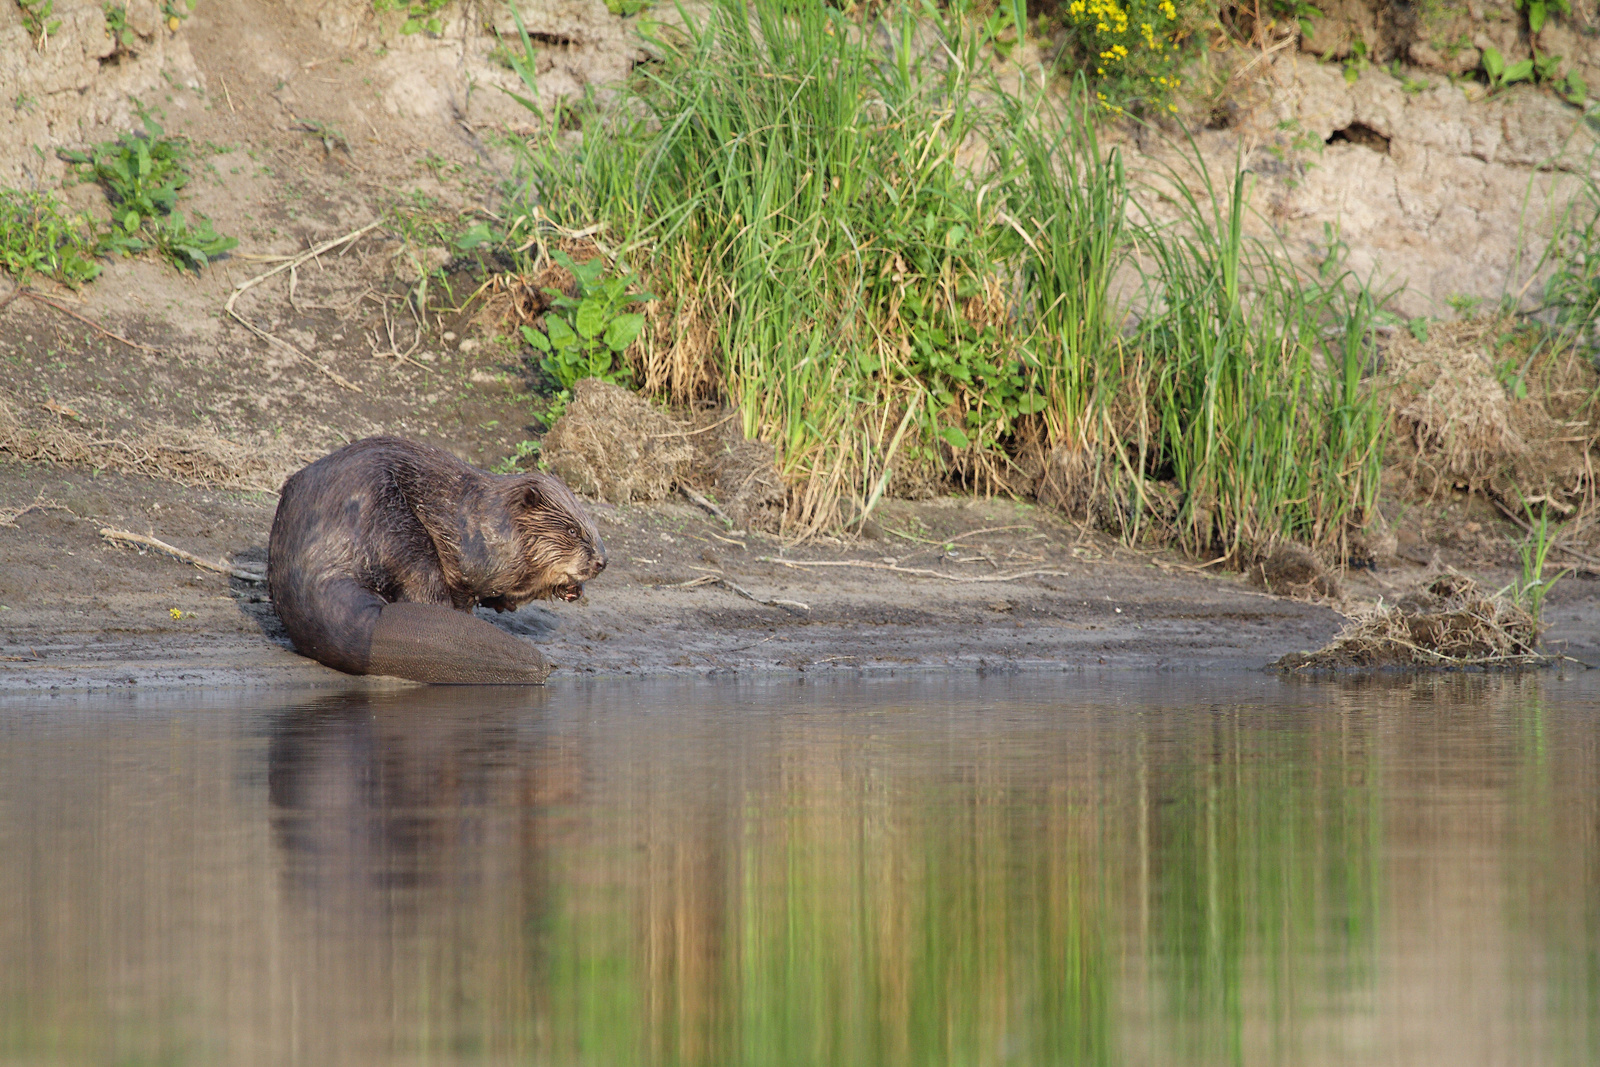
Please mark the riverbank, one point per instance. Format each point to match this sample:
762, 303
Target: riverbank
954, 584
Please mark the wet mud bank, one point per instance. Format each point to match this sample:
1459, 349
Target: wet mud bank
953, 585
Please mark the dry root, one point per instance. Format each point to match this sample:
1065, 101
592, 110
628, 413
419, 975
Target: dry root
1447, 622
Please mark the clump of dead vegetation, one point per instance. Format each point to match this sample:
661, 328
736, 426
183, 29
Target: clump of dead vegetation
613, 444
1447, 621
1489, 405
193, 457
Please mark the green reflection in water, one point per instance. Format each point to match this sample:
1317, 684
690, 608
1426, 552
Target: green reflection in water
1340, 874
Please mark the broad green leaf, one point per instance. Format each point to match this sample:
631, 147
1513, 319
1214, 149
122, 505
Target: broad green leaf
560, 333
536, 339
954, 437
591, 318
474, 236
1494, 64
622, 331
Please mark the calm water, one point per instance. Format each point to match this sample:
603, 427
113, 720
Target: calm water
1136, 871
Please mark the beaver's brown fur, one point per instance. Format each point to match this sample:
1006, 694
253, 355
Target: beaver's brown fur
380, 551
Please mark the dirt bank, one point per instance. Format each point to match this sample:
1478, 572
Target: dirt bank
79, 612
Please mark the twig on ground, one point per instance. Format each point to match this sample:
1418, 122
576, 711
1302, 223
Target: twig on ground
10, 516
733, 587
129, 539
753, 644
40, 298
700, 499
291, 265
918, 571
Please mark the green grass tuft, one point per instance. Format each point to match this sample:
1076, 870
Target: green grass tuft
38, 236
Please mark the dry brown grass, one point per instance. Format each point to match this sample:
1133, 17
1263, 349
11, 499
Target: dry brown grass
1459, 427
614, 444
1448, 621
194, 457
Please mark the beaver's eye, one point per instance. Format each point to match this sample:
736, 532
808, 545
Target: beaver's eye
572, 531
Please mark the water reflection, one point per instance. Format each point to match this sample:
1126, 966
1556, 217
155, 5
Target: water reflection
1154, 871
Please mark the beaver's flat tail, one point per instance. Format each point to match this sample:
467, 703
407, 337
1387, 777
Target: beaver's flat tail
430, 643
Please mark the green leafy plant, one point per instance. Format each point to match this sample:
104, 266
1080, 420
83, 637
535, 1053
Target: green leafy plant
421, 16
117, 27
525, 64
1133, 51
1299, 11
141, 174
1532, 587
1513, 377
626, 8
36, 17
38, 236
173, 12
1360, 59
1539, 11
517, 461
584, 336
1544, 69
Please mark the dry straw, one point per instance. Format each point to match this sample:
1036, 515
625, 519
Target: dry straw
1447, 622
196, 457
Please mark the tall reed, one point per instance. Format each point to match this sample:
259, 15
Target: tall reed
1264, 420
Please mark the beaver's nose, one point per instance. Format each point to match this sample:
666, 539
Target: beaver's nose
599, 564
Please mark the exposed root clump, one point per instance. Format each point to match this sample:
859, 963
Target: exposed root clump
1446, 622
743, 475
1473, 410
1293, 570
612, 444
193, 457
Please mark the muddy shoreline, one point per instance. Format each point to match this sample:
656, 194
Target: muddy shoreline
79, 613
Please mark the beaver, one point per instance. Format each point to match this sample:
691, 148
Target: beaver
380, 551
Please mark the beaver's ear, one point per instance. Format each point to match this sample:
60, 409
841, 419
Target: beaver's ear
532, 496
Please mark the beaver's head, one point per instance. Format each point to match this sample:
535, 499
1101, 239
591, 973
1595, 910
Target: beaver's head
559, 547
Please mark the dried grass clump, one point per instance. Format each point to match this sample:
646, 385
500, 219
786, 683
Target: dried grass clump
744, 476
1295, 571
1459, 427
1447, 622
194, 457
612, 444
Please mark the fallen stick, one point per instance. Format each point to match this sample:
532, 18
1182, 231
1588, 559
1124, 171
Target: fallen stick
918, 571
733, 587
10, 516
701, 500
41, 299
291, 265
129, 539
